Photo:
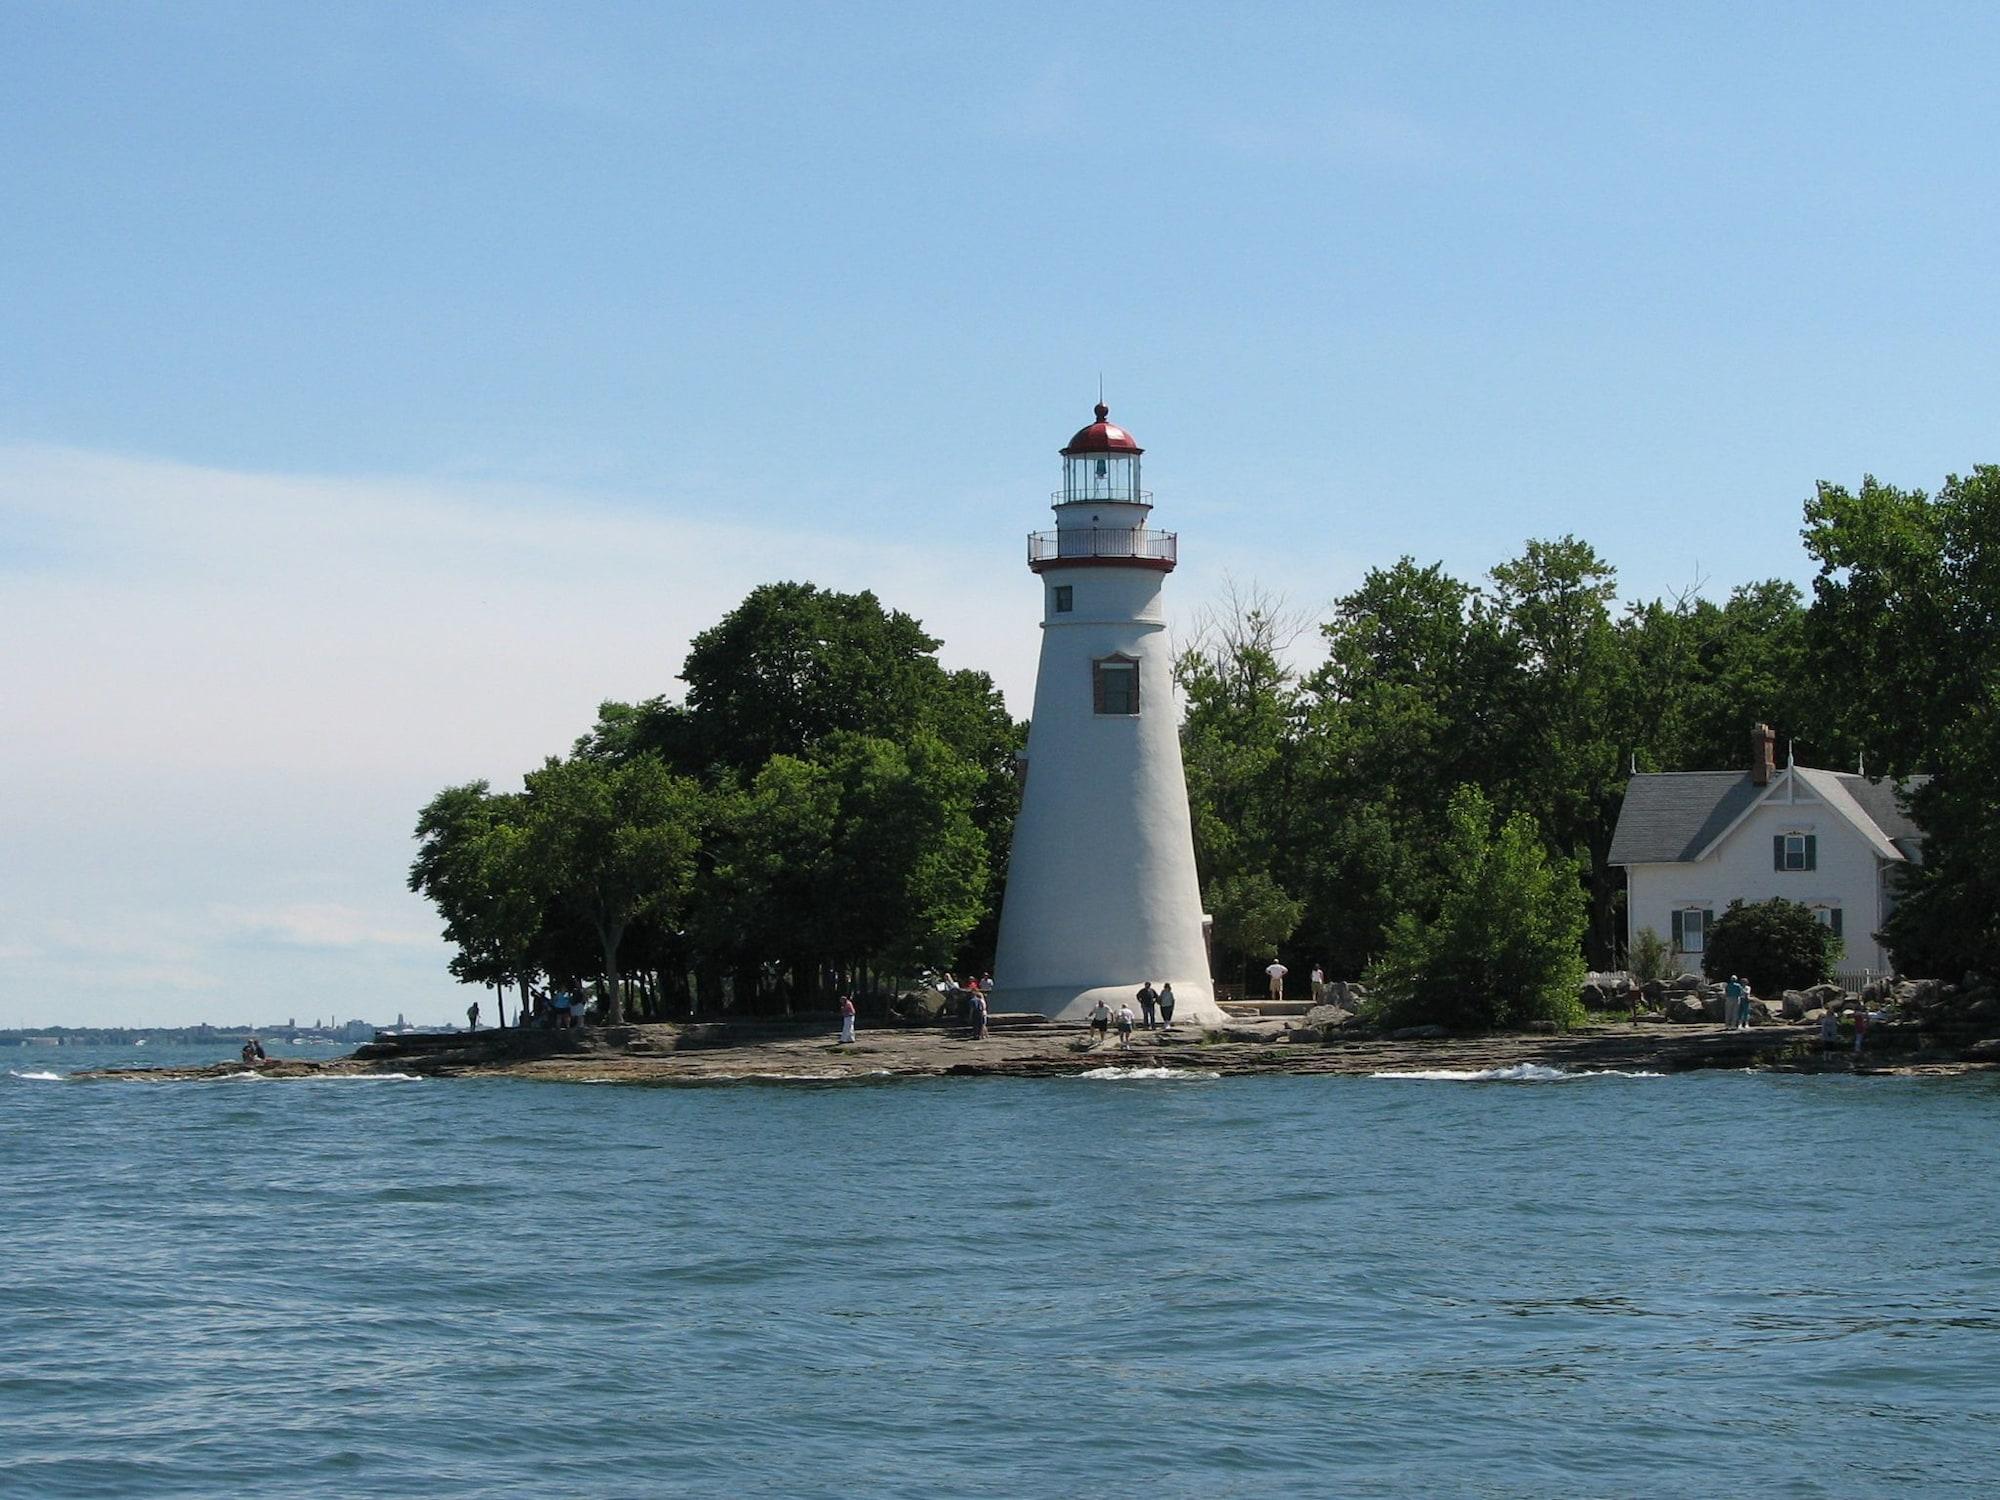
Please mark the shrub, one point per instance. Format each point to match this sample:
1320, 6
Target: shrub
1506, 946
1776, 945
1652, 957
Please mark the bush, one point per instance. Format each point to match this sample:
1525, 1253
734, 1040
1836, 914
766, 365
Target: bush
1776, 945
1506, 946
1652, 957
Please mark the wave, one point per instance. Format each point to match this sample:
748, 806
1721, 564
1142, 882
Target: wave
253, 1074
38, 1077
1515, 1073
1123, 1073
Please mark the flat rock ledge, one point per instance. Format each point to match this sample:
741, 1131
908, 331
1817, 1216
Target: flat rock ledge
808, 1052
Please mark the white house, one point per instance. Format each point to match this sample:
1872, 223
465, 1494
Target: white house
1693, 841
1101, 890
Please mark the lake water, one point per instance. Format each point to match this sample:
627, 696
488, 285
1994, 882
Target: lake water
1714, 1284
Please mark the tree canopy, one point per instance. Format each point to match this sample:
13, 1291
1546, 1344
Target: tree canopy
826, 801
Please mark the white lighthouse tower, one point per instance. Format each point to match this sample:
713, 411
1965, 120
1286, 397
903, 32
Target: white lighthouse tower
1101, 889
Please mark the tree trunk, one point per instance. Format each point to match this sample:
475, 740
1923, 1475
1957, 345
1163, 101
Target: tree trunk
614, 996
500, 1004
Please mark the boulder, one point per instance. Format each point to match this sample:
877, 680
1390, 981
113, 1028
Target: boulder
1324, 1018
1415, 1033
1686, 984
1302, 1033
919, 1007
1795, 1004
1813, 1016
1987, 1051
1542, 1028
1655, 990
1593, 997
1766, 1012
1715, 1004
1826, 994
1686, 1010
1985, 1008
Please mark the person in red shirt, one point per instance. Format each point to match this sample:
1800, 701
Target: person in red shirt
847, 1018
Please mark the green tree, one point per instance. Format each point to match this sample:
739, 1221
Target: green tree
1562, 762
468, 865
613, 843
1904, 618
1504, 947
1776, 945
907, 866
1253, 918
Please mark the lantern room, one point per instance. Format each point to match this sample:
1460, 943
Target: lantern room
1101, 466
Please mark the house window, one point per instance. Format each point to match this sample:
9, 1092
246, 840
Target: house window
1115, 682
1065, 599
1794, 851
1691, 929
1829, 917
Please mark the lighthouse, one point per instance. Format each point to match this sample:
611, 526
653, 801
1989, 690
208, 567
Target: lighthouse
1101, 889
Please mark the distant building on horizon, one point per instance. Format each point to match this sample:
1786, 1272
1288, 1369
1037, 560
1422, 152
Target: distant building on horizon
1691, 842
1101, 892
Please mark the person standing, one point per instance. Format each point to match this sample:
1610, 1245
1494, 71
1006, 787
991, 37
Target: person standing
1732, 1000
1319, 985
1125, 1027
472, 1016
1860, 1026
1167, 1003
1743, 1001
1148, 998
1100, 1022
979, 1014
1276, 972
847, 1019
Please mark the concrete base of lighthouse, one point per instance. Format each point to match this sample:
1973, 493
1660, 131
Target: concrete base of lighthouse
1194, 1001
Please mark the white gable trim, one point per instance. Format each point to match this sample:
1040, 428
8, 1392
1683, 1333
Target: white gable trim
1842, 801
1783, 779
1820, 787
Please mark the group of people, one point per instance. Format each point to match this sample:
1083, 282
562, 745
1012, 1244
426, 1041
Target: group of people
1274, 975
1736, 1003
1156, 1009
555, 1007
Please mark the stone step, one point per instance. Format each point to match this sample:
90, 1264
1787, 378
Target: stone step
1248, 1009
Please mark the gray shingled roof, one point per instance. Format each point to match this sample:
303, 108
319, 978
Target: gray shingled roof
1878, 800
1674, 815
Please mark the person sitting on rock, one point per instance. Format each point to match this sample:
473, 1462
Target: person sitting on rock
253, 1051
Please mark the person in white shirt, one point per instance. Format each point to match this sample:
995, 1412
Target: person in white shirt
1100, 1020
1277, 972
1319, 985
1125, 1025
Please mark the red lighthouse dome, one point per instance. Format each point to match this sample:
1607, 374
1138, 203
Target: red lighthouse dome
1102, 437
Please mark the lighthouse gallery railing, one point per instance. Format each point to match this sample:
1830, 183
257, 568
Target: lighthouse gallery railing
1103, 541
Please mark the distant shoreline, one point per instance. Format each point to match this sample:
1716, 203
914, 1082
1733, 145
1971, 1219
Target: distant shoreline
1026, 1047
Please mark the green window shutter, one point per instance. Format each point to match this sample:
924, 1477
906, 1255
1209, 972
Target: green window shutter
1833, 921
1812, 851
1777, 851
1680, 930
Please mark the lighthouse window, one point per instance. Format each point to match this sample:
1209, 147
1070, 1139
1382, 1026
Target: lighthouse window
1116, 680
1065, 598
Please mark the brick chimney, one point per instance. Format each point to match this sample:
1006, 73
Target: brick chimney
1763, 754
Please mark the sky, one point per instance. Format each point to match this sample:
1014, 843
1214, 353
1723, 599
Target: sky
384, 386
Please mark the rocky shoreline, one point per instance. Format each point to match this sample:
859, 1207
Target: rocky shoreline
1028, 1047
